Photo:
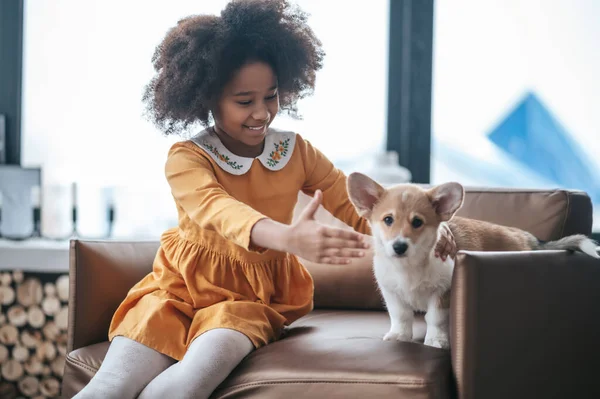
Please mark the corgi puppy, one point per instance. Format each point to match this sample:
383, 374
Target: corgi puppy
405, 222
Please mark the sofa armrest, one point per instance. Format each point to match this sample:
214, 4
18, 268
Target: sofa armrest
526, 325
101, 273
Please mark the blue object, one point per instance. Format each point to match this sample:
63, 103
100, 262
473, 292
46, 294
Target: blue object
532, 136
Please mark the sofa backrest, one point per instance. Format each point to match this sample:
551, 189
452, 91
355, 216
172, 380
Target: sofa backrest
547, 214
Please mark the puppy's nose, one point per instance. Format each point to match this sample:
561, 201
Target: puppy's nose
400, 247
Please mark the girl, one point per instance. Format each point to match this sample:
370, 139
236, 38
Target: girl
227, 280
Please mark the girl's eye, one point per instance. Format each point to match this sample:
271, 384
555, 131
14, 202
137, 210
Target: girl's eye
273, 97
244, 102
416, 222
388, 220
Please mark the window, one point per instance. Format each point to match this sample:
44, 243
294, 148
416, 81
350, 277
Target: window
515, 94
84, 68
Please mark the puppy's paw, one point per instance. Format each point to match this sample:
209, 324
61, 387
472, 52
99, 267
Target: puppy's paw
397, 336
438, 341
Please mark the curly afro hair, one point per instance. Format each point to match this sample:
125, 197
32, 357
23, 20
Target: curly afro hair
199, 56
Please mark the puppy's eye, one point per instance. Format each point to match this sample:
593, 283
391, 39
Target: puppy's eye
416, 222
388, 220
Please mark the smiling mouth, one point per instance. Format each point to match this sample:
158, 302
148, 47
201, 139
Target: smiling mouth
256, 128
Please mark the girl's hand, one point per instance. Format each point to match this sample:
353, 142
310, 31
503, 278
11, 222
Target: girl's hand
318, 243
446, 246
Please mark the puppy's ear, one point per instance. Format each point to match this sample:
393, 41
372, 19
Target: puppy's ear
447, 199
364, 193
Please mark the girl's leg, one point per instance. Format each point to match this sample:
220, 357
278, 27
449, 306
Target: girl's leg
208, 361
127, 368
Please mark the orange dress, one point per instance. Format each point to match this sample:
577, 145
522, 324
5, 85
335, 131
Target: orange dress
206, 273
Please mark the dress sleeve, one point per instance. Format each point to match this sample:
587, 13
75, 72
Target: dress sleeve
196, 189
322, 175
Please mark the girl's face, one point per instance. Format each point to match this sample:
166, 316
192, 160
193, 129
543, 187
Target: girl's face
249, 104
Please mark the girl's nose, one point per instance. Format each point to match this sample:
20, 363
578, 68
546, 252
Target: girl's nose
261, 113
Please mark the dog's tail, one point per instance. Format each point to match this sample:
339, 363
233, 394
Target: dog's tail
577, 242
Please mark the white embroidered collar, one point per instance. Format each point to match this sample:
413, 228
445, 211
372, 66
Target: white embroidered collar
279, 146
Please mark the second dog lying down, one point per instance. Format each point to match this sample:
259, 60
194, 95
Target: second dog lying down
405, 221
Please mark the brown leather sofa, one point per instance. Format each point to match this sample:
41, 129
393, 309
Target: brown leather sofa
523, 325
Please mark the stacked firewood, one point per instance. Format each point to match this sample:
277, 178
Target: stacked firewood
33, 334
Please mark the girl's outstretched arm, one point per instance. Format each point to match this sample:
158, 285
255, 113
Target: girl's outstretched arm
196, 189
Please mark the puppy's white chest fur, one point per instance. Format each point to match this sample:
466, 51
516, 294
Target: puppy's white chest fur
413, 281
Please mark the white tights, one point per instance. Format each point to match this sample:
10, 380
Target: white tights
131, 370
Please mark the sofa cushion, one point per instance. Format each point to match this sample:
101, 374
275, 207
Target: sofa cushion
328, 353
